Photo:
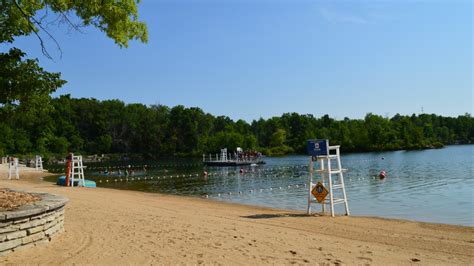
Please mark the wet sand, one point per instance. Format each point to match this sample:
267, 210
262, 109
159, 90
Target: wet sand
106, 226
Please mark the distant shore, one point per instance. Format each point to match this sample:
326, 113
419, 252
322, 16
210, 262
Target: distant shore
106, 226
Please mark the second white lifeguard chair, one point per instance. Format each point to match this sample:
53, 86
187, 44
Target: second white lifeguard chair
13, 166
39, 162
320, 152
76, 171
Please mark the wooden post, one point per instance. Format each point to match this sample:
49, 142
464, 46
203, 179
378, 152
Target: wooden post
68, 168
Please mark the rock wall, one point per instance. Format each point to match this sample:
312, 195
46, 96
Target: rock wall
32, 224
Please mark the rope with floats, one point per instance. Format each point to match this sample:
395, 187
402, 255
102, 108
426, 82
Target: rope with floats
57, 168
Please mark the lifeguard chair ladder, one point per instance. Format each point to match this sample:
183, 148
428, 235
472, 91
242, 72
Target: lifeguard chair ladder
77, 170
326, 173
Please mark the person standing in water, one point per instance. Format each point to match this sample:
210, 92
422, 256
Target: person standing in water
128, 170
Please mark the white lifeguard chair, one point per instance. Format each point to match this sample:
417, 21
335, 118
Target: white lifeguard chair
320, 152
39, 163
13, 166
77, 171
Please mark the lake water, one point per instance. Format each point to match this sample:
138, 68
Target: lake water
428, 185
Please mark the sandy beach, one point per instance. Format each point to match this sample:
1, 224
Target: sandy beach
106, 226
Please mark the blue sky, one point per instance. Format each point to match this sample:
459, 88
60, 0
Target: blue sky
251, 59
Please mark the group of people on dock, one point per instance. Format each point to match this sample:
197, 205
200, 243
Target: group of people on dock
248, 155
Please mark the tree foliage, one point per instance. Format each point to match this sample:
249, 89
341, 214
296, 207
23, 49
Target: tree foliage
22, 80
111, 126
118, 19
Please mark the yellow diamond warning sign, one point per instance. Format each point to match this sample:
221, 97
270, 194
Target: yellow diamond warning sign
319, 192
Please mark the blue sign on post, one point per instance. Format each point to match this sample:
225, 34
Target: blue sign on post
318, 147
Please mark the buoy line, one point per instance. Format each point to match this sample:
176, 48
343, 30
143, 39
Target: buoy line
140, 167
255, 191
152, 166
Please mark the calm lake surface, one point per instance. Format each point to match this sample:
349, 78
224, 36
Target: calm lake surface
429, 185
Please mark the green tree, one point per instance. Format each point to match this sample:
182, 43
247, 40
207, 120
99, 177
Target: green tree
21, 80
278, 138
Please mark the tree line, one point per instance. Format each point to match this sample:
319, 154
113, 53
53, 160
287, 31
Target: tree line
55, 126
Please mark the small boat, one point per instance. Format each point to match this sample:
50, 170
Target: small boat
87, 183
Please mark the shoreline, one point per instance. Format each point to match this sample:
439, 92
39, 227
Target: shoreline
302, 212
276, 209
136, 227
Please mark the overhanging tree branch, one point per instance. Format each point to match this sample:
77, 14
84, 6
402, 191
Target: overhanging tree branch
38, 23
66, 18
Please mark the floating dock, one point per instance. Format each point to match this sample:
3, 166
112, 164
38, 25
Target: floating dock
238, 158
231, 163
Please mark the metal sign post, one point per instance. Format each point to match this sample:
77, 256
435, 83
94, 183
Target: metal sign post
320, 152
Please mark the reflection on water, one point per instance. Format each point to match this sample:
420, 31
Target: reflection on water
429, 185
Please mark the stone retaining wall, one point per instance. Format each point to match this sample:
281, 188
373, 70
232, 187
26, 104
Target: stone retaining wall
32, 224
